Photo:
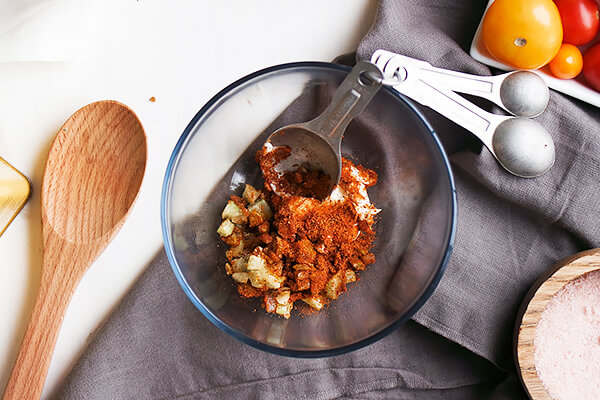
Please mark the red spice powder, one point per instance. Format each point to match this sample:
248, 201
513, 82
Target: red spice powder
306, 247
328, 236
302, 182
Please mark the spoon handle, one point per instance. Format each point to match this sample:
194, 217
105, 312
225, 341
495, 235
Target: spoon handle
452, 106
33, 361
487, 87
351, 97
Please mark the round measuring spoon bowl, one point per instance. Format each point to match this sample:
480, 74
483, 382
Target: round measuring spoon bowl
524, 94
523, 147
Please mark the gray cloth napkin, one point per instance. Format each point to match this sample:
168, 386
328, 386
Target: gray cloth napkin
156, 345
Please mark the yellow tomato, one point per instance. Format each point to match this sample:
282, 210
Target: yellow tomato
524, 34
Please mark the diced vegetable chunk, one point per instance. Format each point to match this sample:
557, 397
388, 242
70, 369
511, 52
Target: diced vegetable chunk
357, 264
239, 264
235, 238
263, 209
350, 276
332, 289
270, 303
260, 279
316, 302
284, 310
256, 263
226, 228
250, 194
240, 277
368, 258
235, 252
234, 213
283, 297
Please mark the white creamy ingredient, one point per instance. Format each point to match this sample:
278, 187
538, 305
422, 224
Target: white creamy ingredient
361, 203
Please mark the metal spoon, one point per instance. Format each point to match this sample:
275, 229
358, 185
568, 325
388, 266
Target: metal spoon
93, 174
522, 146
317, 144
521, 93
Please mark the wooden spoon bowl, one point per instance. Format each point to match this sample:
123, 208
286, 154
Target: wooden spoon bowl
531, 310
92, 177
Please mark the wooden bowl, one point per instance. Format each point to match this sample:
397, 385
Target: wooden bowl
534, 304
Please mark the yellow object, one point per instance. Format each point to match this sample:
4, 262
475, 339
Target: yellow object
14, 193
524, 34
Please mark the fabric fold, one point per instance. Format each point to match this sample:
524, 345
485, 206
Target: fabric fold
157, 345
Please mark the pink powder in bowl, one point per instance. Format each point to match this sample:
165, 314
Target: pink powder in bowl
567, 341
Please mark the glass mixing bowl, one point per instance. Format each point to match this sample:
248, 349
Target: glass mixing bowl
214, 158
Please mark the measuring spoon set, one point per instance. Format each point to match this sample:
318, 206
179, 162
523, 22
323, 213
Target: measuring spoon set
521, 145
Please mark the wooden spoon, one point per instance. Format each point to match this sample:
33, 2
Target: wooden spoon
93, 174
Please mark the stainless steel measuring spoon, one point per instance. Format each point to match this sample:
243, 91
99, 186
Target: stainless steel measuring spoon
521, 93
317, 144
522, 146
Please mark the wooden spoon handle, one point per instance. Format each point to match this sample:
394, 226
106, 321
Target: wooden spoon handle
33, 361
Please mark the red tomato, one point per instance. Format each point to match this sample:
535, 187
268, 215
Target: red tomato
591, 66
580, 20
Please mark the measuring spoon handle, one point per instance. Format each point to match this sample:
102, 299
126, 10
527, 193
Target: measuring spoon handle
351, 98
521, 93
487, 87
452, 106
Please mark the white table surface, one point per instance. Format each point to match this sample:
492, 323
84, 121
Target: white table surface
181, 52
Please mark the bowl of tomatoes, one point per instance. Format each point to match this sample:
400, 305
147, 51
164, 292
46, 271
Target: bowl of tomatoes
559, 39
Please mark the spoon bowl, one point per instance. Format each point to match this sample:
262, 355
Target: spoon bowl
524, 93
309, 150
92, 176
523, 147
317, 144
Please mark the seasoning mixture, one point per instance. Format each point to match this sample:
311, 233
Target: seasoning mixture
288, 243
567, 341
